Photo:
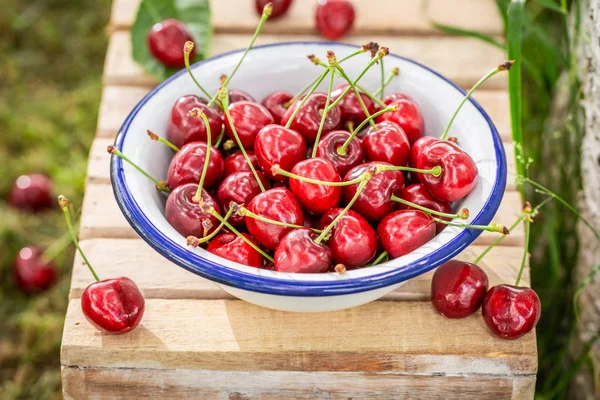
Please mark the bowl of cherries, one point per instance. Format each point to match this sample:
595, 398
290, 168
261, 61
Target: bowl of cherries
308, 184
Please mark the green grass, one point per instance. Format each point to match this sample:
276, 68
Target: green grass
50, 87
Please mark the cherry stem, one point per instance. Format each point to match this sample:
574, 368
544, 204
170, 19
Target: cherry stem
221, 135
464, 214
358, 96
357, 52
187, 49
195, 242
276, 170
380, 91
435, 171
382, 80
64, 204
224, 97
159, 185
365, 179
243, 211
525, 250
505, 66
232, 229
312, 90
199, 114
343, 148
57, 247
307, 87
156, 138
371, 96
324, 116
493, 227
379, 259
267, 10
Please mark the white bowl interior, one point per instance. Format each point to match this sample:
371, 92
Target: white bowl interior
286, 67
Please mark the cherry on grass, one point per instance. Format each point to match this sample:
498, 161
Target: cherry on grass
31, 193
32, 273
187, 165
248, 119
183, 128
404, 231
166, 40
333, 18
232, 247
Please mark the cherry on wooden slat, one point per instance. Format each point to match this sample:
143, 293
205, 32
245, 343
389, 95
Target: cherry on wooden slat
159, 278
277, 385
373, 16
232, 335
463, 60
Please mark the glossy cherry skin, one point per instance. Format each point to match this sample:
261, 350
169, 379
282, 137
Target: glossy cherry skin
236, 162
280, 7
407, 116
458, 288
334, 18
185, 215
166, 40
248, 119
374, 202
276, 145
32, 193
187, 165
328, 146
231, 247
350, 106
418, 146
309, 116
274, 102
388, 143
114, 306
459, 173
32, 274
353, 241
240, 187
404, 231
277, 204
236, 95
511, 311
299, 253
317, 199
183, 128
418, 194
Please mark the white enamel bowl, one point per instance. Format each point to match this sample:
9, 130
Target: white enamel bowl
284, 66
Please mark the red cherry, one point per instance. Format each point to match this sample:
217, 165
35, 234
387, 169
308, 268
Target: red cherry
31, 192
459, 173
418, 146
407, 116
183, 128
187, 165
353, 241
458, 288
334, 18
240, 187
277, 204
166, 40
280, 7
236, 162
511, 311
309, 116
328, 146
32, 274
317, 199
236, 95
114, 306
404, 231
388, 143
278, 145
248, 119
350, 106
234, 248
374, 202
185, 215
418, 194
298, 252
274, 102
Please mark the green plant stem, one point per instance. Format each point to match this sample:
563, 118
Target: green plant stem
64, 205
382, 89
344, 148
312, 90
372, 96
435, 171
358, 96
324, 116
307, 87
357, 52
525, 251
428, 210
216, 231
162, 140
278, 171
489, 228
220, 138
186, 59
247, 213
159, 185
384, 84
198, 195
378, 259
245, 239
153, 11
57, 247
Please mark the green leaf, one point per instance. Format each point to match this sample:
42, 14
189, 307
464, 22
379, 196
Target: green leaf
551, 5
453, 30
195, 14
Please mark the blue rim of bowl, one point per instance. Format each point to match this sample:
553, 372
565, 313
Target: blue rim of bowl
268, 285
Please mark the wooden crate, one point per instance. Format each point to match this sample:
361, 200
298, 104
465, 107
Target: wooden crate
196, 341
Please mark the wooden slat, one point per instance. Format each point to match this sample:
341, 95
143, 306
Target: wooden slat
136, 383
373, 16
463, 60
159, 278
232, 335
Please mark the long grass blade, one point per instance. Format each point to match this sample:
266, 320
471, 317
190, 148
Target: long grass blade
454, 30
551, 5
